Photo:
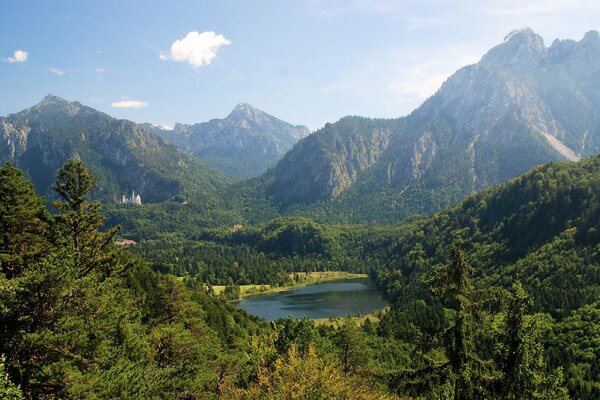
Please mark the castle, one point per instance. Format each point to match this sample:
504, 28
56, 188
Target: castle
134, 199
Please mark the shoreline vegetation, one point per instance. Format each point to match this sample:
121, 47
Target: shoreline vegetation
374, 317
297, 279
301, 279
110, 322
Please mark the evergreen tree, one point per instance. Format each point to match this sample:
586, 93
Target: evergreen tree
452, 283
81, 219
525, 372
8, 390
349, 340
24, 243
24, 222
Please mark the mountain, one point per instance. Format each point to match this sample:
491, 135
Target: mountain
541, 229
521, 105
124, 156
244, 144
324, 165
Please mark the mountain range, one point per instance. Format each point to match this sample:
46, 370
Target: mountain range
521, 105
123, 156
244, 144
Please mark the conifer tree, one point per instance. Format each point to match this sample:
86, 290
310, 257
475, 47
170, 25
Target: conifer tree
81, 219
525, 372
24, 222
352, 349
452, 283
8, 390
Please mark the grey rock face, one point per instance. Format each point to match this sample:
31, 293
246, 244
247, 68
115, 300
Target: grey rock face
324, 165
523, 104
244, 144
123, 155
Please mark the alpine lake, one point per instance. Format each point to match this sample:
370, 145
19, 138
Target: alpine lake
318, 301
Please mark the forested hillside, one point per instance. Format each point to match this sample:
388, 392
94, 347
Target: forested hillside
124, 156
81, 316
539, 229
521, 105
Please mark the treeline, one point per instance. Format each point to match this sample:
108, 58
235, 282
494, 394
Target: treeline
540, 229
81, 318
264, 255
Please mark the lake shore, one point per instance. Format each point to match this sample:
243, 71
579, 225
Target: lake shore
374, 317
301, 279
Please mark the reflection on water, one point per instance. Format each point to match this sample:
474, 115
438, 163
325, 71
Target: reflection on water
332, 299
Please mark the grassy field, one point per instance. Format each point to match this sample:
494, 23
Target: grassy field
374, 317
301, 279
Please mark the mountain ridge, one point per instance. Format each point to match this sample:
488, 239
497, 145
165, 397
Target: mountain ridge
244, 144
122, 154
521, 105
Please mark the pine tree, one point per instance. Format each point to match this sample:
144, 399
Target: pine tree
24, 222
81, 219
452, 283
525, 372
8, 390
352, 348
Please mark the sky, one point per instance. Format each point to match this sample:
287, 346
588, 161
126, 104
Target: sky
307, 62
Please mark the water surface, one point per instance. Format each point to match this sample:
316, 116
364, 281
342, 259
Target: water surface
322, 300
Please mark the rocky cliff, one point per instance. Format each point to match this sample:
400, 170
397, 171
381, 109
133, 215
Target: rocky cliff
523, 104
244, 144
123, 155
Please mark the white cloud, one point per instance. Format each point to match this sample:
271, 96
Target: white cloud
57, 71
419, 77
398, 83
129, 104
18, 56
197, 49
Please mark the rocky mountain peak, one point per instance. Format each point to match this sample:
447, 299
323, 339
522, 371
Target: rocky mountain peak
54, 104
247, 111
50, 99
521, 34
522, 48
592, 37
244, 144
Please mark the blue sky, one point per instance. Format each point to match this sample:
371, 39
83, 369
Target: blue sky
307, 62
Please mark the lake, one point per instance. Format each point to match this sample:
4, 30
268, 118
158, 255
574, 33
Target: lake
322, 300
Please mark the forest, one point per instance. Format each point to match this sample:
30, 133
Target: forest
495, 297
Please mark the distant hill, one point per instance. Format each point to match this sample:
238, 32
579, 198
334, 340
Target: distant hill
123, 155
244, 144
522, 105
540, 229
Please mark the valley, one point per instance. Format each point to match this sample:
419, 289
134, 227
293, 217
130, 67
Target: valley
473, 221
317, 301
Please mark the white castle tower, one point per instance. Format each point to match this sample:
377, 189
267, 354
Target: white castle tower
134, 199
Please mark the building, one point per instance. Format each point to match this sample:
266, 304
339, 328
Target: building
125, 242
235, 228
134, 199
